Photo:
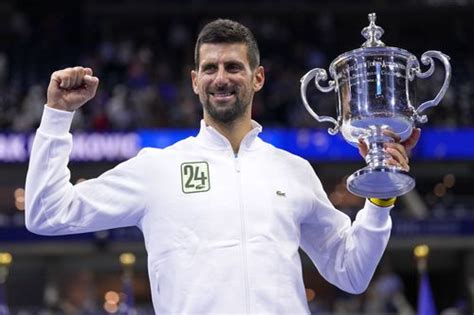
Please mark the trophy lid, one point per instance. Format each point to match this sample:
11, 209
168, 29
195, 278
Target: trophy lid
372, 33
373, 46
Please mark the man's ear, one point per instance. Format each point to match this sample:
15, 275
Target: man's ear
259, 78
194, 81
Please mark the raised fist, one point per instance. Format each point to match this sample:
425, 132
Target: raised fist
71, 88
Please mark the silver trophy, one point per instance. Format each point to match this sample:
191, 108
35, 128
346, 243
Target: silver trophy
375, 88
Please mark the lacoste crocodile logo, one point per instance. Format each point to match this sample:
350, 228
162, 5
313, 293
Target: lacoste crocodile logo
281, 193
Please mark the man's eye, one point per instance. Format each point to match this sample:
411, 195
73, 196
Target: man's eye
209, 69
233, 68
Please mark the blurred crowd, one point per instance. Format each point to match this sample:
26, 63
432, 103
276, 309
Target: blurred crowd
84, 292
144, 66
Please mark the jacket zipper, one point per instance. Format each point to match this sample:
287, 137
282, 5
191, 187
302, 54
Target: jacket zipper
243, 234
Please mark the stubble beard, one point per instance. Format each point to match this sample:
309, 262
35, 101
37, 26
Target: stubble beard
228, 113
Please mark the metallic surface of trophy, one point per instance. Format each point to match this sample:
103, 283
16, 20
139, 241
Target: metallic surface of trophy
375, 87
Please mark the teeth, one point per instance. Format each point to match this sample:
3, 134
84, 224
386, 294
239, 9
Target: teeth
223, 94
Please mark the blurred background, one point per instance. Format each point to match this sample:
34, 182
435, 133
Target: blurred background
142, 51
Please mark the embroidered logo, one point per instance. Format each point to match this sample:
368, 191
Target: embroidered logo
195, 177
281, 193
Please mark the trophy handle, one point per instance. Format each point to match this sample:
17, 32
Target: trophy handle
427, 59
319, 75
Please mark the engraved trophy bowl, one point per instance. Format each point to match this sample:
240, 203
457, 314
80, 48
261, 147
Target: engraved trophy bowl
375, 87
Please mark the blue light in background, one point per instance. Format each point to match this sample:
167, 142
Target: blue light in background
449, 144
318, 145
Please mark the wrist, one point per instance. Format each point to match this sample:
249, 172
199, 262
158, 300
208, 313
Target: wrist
383, 202
55, 122
58, 107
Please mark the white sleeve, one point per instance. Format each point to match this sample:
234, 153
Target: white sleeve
345, 254
54, 206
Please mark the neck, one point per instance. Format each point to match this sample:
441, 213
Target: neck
234, 131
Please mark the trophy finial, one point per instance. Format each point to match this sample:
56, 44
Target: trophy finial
372, 33
372, 18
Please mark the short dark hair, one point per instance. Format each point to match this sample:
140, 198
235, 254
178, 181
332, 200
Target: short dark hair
228, 31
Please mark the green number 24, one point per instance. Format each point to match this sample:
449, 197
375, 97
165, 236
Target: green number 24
193, 175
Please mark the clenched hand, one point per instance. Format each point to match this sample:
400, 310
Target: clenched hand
71, 88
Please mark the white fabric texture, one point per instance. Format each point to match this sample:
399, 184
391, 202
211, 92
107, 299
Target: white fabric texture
232, 249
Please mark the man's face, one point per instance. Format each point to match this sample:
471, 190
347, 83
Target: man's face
225, 82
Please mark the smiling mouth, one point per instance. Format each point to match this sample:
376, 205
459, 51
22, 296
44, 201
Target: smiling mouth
223, 97
222, 94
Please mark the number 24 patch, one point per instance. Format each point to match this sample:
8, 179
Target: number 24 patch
195, 177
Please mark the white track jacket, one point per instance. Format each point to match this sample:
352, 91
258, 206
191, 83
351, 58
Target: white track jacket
222, 231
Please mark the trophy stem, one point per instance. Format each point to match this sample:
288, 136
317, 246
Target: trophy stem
379, 179
376, 156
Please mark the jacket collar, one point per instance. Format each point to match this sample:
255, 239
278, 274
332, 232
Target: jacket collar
212, 139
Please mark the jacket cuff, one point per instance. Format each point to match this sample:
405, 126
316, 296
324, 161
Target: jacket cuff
376, 216
55, 122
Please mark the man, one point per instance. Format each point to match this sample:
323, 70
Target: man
223, 213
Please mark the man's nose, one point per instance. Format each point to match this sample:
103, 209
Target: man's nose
221, 77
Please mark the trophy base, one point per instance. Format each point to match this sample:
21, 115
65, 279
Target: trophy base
381, 182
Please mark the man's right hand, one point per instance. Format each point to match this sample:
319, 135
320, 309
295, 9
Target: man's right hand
71, 88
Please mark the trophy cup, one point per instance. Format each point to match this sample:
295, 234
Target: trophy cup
375, 87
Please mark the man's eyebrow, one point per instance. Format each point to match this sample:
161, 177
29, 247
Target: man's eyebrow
234, 62
207, 64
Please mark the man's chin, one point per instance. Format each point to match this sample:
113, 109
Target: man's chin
224, 115
224, 112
